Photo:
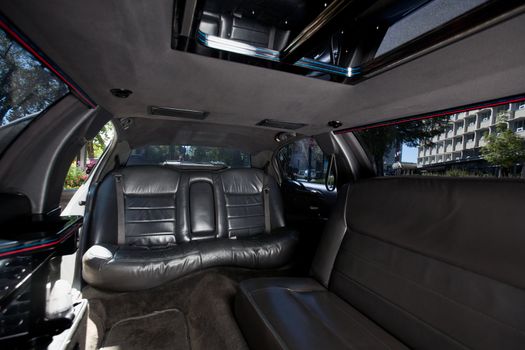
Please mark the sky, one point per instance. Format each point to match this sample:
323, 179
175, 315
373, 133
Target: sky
409, 154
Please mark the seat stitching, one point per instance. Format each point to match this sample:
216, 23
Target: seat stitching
244, 205
148, 221
149, 208
146, 234
244, 228
244, 216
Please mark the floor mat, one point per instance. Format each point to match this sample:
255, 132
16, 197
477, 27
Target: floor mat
159, 330
206, 298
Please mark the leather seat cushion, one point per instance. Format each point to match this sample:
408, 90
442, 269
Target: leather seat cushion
128, 268
299, 313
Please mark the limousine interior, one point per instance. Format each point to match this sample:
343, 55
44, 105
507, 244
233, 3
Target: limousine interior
290, 174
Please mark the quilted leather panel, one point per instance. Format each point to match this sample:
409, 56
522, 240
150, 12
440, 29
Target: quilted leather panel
245, 213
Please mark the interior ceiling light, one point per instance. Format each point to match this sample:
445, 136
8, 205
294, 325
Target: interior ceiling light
278, 124
121, 93
126, 123
334, 124
178, 112
283, 136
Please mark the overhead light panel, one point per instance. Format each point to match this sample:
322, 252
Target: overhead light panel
178, 112
272, 123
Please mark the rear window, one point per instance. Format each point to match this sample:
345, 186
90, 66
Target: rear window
483, 142
27, 88
189, 155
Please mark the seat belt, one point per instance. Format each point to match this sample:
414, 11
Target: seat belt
120, 210
266, 203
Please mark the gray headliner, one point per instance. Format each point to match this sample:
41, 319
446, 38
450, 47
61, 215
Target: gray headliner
160, 131
104, 44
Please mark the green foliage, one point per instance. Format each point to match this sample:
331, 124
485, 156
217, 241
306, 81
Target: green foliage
504, 148
25, 86
199, 155
75, 177
457, 173
97, 145
380, 140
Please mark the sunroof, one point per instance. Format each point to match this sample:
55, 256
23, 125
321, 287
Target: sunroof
341, 40
423, 20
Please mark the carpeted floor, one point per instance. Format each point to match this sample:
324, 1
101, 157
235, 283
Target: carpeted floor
161, 330
194, 312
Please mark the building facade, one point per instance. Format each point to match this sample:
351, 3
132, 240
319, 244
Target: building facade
461, 142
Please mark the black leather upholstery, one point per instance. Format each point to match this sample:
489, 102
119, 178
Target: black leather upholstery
175, 223
299, 313
435, 262
152, 207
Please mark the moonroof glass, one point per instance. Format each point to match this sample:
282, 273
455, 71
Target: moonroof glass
423, 20
339, 40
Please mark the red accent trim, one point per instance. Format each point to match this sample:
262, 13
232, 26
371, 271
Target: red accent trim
435, 115
45, 245
22, 42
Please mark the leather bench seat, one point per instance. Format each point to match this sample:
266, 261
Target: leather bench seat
414, 262
153, 224
299, 313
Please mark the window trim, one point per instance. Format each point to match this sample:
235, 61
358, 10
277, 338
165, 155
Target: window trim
440, 113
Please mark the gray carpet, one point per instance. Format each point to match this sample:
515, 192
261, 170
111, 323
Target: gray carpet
159, 330
205, 298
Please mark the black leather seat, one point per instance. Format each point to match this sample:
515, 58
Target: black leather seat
153, 224
426, 263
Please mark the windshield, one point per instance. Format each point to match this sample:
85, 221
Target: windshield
189, 155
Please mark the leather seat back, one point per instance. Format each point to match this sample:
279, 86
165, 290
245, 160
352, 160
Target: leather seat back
202, 199
432, 260
244, 202
150, 207
163, 206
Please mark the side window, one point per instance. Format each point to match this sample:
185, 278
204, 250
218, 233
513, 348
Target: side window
485, 142
81, 168
27, 89
304, 161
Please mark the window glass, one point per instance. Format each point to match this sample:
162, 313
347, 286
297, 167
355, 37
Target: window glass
304, 161
423, 20
26, 89
483, 142
81, 168
189, 155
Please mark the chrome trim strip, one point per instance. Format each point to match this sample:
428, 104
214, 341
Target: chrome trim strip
229, 45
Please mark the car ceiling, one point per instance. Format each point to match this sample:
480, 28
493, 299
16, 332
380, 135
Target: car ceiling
164, 131
106, 44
